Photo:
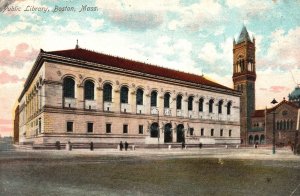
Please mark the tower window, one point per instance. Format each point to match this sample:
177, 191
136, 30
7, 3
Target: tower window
212, 132
221, 132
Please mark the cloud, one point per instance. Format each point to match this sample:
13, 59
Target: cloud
15, 27
136, 15
198, 15
208, 53
274, 83
250, 8
7, 78
217, 57
284, 50
5, 122
278, 89
96, 23
21, 54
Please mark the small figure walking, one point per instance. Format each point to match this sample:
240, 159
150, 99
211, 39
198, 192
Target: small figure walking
70, 146
121, 145
92, 146
126, 145
182, 145
200, 145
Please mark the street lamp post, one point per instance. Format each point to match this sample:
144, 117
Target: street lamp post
274, 102
158, 131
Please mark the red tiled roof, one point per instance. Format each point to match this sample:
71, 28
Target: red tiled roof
91, 56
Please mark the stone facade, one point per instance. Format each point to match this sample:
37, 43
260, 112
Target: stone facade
47, 115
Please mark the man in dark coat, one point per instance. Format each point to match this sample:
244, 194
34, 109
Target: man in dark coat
126, 145
121, 145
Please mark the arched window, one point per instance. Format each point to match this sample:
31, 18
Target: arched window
229, 108
278, 125
69, 87
287, 124
167, 100
262, 139
190, 103
154, 130
124, 94
284, 125
139, 96
220, 105
201, 100
210, 105
178, 102
89, 90
250, 139
154, 98
107, 93
291, 124
230, 133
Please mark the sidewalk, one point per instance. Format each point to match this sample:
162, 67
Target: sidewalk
221, 153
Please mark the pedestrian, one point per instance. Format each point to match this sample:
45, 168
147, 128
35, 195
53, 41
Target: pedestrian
200, 145
92, 146
126, 145
121, 145
182, 145
70, 145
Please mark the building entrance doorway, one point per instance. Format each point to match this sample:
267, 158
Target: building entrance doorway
168, 133
180, 133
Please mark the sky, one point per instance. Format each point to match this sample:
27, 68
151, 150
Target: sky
194, 36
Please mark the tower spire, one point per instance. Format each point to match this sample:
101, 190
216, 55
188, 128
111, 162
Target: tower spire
244, 35
77, 46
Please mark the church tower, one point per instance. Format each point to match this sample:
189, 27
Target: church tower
244, 76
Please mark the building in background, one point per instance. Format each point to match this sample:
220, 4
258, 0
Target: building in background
286, 117
83, 96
